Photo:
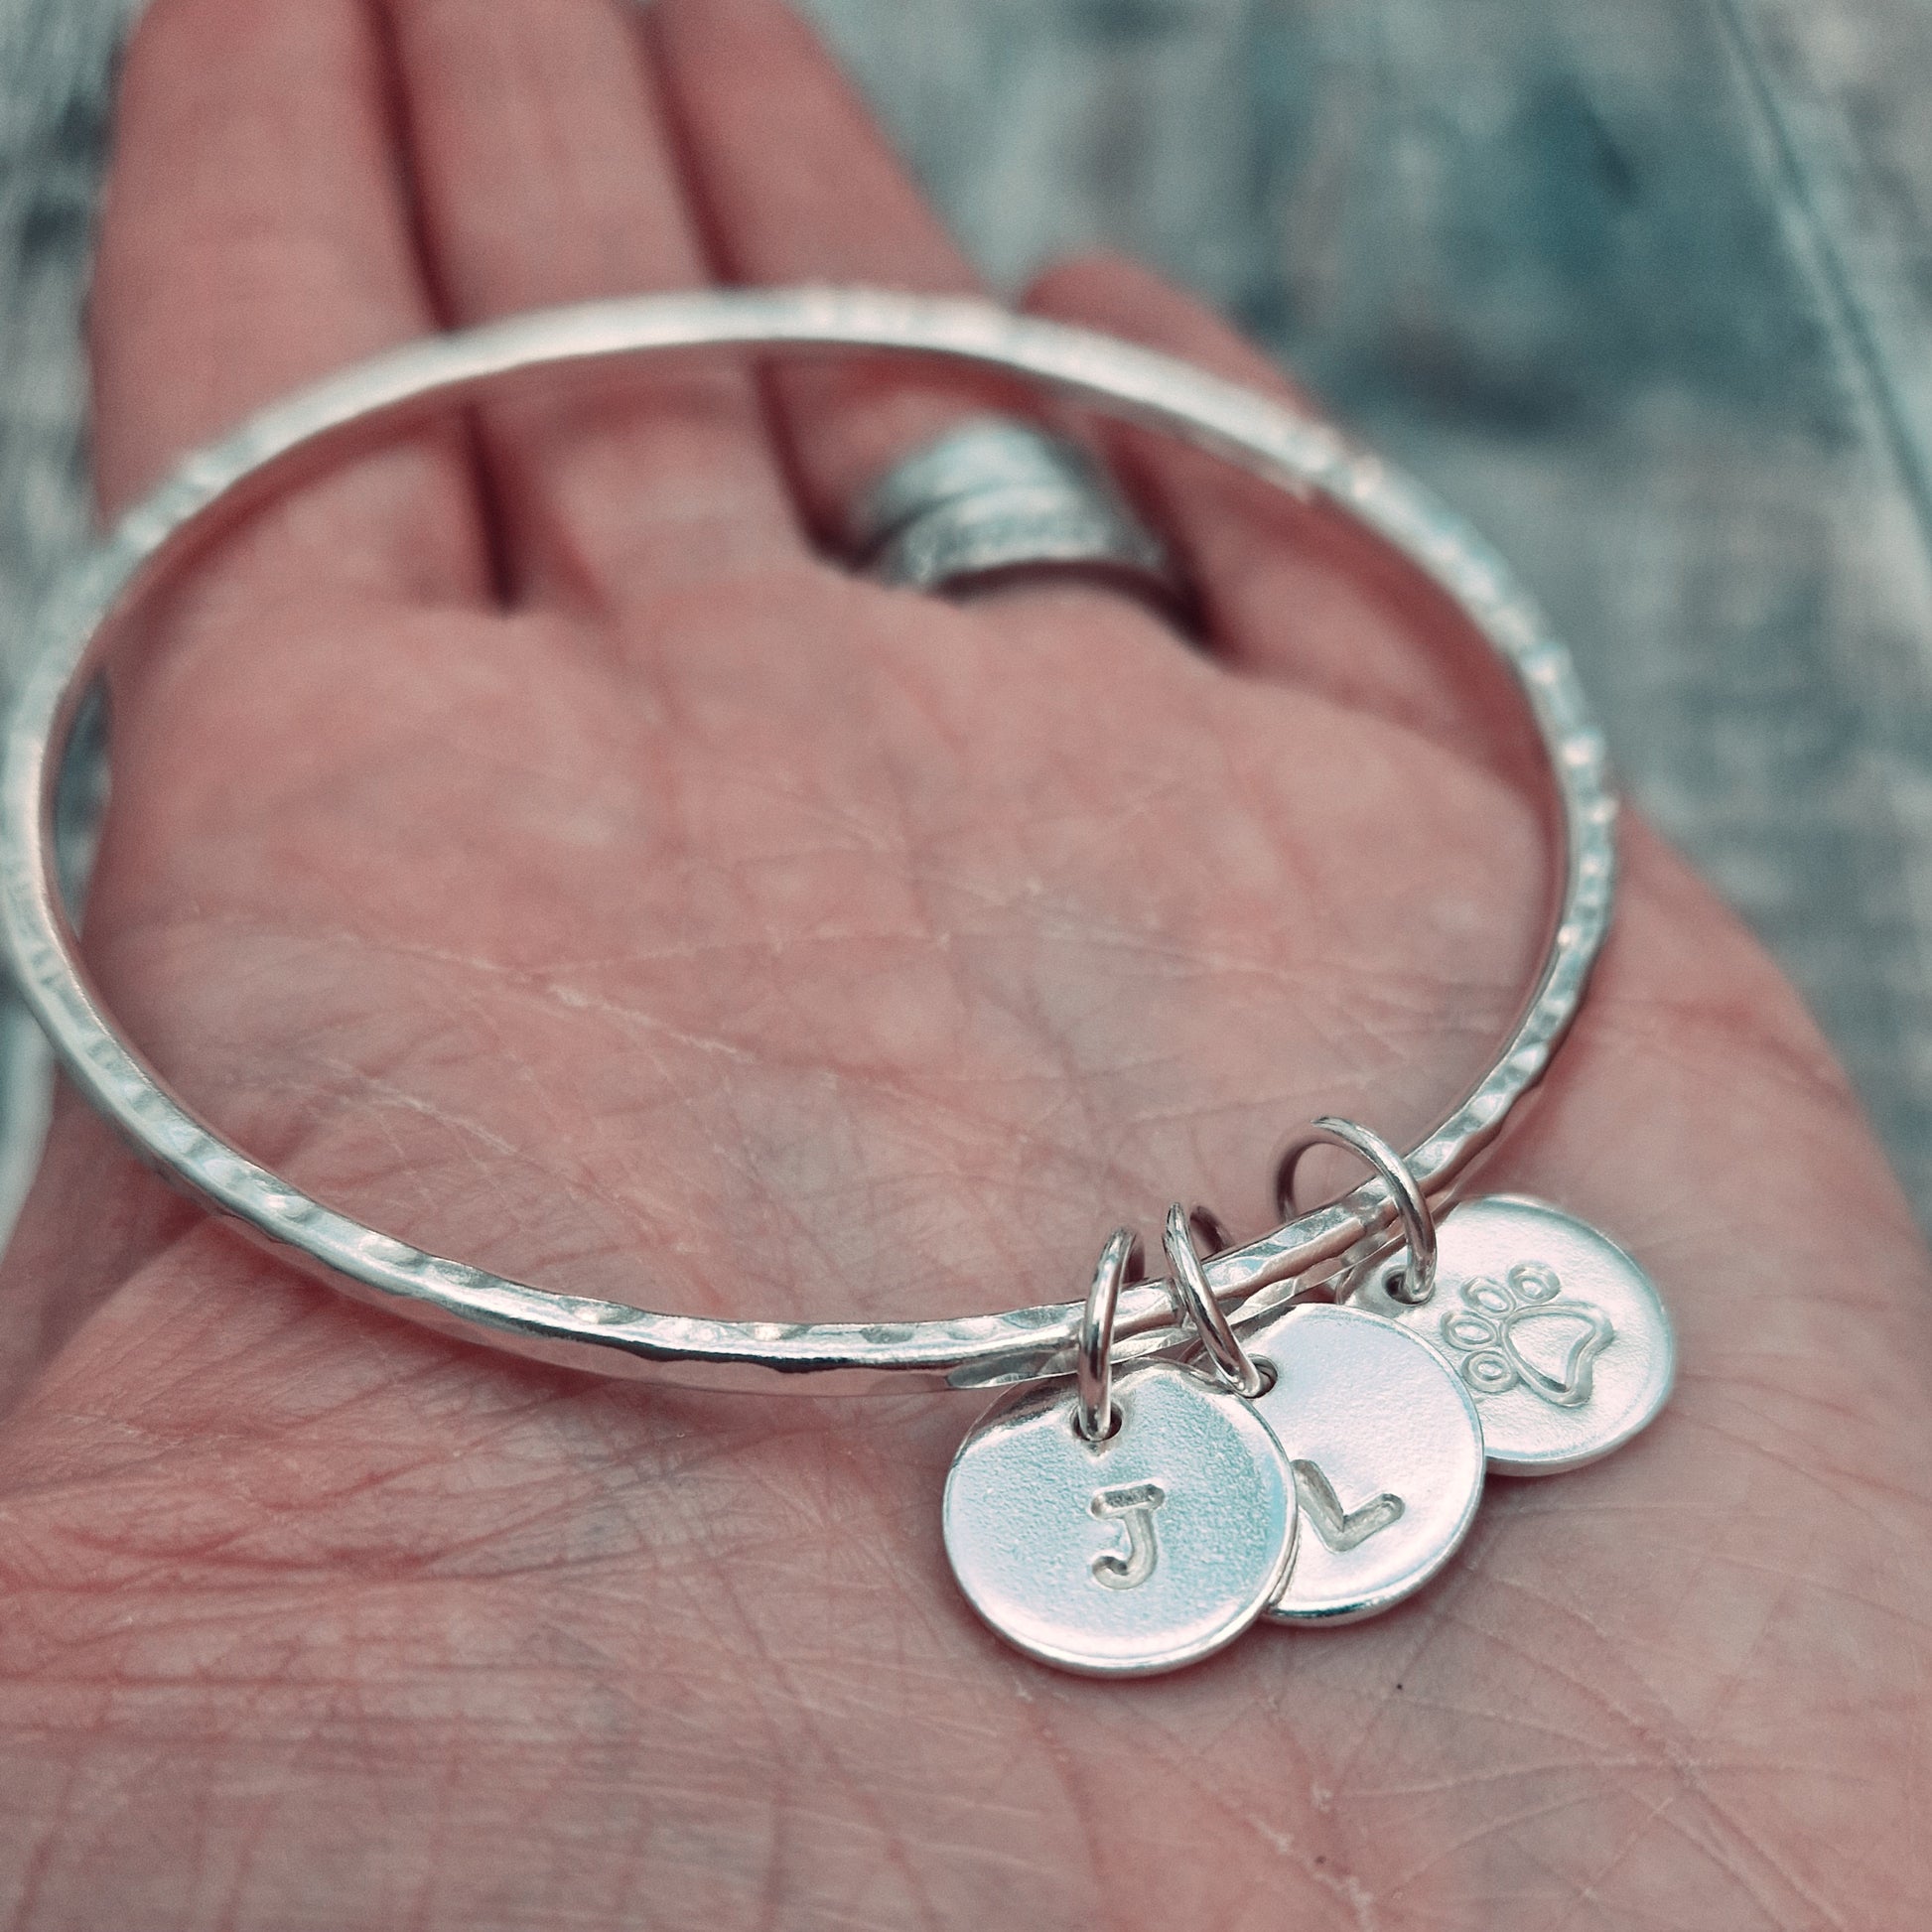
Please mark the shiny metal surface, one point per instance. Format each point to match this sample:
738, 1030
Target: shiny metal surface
1225, 1355
351, 410
1416, 1281
1142, 1553
997, 495
1387, 1454
1093, 1367
1561, 1338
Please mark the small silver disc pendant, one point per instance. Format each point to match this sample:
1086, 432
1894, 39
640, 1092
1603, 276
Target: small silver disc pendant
1387, 1453
1558, 1335
1140, 1553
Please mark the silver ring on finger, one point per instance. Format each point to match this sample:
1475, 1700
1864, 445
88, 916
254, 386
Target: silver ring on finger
996, 497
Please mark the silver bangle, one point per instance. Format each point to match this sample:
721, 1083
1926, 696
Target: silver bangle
995, 496
292, 438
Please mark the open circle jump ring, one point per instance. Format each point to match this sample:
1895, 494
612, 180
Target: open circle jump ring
1417, 1282
1231, 1362
1094, 1351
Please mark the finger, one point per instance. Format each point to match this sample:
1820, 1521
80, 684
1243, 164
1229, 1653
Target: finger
1297, 592
797, 183
254, 238
546, 177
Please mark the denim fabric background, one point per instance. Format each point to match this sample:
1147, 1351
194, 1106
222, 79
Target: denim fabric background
1643, 286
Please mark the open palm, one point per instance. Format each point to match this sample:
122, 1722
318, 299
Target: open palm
531, 843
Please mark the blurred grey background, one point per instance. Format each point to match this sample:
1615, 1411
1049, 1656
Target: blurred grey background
1642, 286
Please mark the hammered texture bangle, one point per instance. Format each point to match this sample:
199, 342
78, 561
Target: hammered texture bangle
291, 440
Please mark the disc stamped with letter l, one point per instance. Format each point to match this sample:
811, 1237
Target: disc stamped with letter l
1387, 1454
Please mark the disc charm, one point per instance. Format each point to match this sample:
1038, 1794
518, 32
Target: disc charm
1140, 1553
1558, 1335
1386, 1448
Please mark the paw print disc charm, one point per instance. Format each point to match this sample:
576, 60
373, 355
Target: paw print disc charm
1558, 1334
1386, 1448
1148, 1549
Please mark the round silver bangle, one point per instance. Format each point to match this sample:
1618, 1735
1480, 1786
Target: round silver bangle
292, 438
995, 496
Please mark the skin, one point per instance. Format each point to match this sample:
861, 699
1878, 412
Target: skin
532, 843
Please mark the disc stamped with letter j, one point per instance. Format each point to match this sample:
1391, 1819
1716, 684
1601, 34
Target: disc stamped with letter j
1139, 1553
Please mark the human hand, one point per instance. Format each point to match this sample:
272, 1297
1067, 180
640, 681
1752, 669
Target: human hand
527, 841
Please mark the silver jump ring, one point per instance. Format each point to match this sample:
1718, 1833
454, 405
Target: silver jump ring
1094, 1354
1231, 1362
1417, 1282
995, 495
91, 609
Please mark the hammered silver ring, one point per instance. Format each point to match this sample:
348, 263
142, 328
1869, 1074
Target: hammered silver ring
995, 497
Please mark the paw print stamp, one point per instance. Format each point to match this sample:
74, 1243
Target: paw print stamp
1558, 1334
1523, 1331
